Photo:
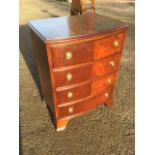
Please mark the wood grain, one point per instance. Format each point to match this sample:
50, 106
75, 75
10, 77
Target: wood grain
62, 28
78, 93
95, 87
86, 72
87, 51
95, 45
84, 106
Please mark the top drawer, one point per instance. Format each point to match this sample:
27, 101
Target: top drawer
65, 55
108, 46
72, 54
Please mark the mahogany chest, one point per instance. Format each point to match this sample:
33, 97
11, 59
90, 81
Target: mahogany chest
77, 59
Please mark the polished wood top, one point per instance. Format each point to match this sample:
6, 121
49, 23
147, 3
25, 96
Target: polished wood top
59, 28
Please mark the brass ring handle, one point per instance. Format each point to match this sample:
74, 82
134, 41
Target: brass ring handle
69, 94
109, 81
69, 76
70, 110
68, 55
112, 63
106, 94
116, 43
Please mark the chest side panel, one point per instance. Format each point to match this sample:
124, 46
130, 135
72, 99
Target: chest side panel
41, 59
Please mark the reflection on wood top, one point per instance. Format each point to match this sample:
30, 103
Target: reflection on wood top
58, 28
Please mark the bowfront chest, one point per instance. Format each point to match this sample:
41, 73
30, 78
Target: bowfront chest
78, 59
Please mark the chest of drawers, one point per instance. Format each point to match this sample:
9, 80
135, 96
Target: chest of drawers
77, 59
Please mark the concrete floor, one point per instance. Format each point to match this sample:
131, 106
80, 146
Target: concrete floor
102, 131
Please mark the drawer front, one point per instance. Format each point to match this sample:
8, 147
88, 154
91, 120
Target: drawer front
72, 76
66, 55
69, 111
108, 46
72, 54
102, 84
106, 66
85, 73
73, 94
86, 90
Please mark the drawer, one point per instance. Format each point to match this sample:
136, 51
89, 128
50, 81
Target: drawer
106, 66
88, 89
80, 74
84, 106
65, 55
102, 84
72, 76
108, 46
73, 94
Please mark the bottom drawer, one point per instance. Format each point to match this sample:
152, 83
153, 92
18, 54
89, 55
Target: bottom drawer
73, 94
81, 107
